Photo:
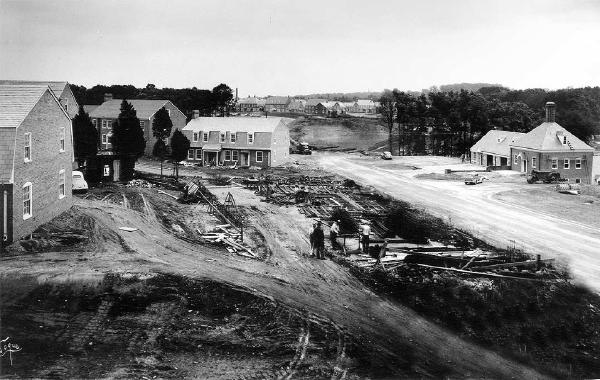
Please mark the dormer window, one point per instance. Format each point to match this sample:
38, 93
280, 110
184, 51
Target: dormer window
222, 137
205, 137
232, 137
250, 138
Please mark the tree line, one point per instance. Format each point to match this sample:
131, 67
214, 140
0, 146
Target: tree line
215, 102
449, 122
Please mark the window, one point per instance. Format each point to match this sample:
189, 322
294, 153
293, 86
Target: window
190, 154
516, 159
533, 162
227, 155
104, 139
104, 124
250, 138
577, 180
169, 112
27, 146
62, 139
199, 154
222, 137
95, 123
142, 124
567, 163
108, 136
259, 156
205, 136
61, 184
232, 137
27, 195
195, 137
578, 163
235, 155
554, 163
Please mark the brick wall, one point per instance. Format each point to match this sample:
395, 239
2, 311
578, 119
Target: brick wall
543, 162
44, 123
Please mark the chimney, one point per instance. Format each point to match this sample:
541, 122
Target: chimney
196, 114
107, 97
550, 112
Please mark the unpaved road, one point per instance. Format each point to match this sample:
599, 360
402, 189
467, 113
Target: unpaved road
474, 209
397, 338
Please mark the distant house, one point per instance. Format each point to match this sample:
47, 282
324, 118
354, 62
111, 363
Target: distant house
241, 141
365, 106
250, 104
550, 147
62, 90
277, 103
311, 105
493, 149
104, 116
297, 105
36, 154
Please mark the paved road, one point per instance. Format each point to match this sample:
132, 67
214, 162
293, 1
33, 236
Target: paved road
475, 210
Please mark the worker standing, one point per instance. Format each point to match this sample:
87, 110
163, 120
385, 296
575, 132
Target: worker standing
311, 237
319, 241
334, 231
365, 232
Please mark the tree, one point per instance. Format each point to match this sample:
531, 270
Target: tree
388, 112
222, 96
179, 149
128, 139
85, 136
160, 151
161, 129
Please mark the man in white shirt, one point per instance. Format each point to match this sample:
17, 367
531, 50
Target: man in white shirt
334, 231
365, 232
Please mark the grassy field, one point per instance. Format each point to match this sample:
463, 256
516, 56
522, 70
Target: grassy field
346, 133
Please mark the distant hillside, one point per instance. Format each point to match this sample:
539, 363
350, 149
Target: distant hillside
341, 96
466, 86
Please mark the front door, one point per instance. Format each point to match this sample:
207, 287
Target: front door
524, 165
244, 158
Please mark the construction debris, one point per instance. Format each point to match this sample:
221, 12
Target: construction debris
139, 183
227, 236
128, 229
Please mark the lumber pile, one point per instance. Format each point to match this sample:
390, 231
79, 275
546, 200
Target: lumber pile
228, 237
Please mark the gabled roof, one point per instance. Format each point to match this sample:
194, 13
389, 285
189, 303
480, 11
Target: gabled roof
16, 101
235, 124
314, 102
57, 86
145, 108
365, 102
545, 137
271, 100
90, 107
497, 142
249, 100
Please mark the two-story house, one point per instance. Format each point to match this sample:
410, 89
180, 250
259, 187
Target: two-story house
250, 104
241, 141
311, 105
277, 103
36, 154
105, 115
550, 147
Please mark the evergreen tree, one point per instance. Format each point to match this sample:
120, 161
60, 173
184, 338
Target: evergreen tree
160, 151
179, 149
223, 97
161, 129
128, 139
85, 136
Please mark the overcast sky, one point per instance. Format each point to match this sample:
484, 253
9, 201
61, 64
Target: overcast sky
283, 47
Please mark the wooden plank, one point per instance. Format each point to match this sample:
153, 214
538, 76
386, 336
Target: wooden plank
481, 274
529, 263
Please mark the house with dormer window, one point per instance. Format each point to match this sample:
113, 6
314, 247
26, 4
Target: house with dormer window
550, 147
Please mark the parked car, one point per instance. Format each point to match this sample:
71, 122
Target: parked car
186, 164
79, 183
475, 180
386, 155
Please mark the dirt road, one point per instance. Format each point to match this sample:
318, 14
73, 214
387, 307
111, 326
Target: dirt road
394, 337
474, 209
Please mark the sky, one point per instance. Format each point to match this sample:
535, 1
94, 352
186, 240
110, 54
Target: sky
281, 47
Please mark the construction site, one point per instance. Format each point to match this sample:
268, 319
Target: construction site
210, 276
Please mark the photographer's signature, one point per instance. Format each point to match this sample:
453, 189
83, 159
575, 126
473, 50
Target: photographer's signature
7, 347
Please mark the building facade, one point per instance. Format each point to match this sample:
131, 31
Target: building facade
240, 141
250, 104
105, 115
277, 104
493, 149
311, 105
36, 154
550, 147
61, 90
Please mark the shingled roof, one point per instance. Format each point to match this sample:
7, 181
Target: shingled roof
57, 86
16, 101
234, 124
496, 142
546, 137
145, 108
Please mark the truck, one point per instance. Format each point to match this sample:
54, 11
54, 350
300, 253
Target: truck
304, 148
544, 176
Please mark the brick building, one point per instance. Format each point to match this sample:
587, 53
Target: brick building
493, 149
277, 103
104, 116
550, 147
250, 104
36, 154
241, 141
311, 105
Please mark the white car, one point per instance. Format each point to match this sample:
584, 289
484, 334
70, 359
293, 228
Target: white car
79, 183
386, 155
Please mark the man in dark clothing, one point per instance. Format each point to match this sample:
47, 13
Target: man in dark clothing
319, 240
